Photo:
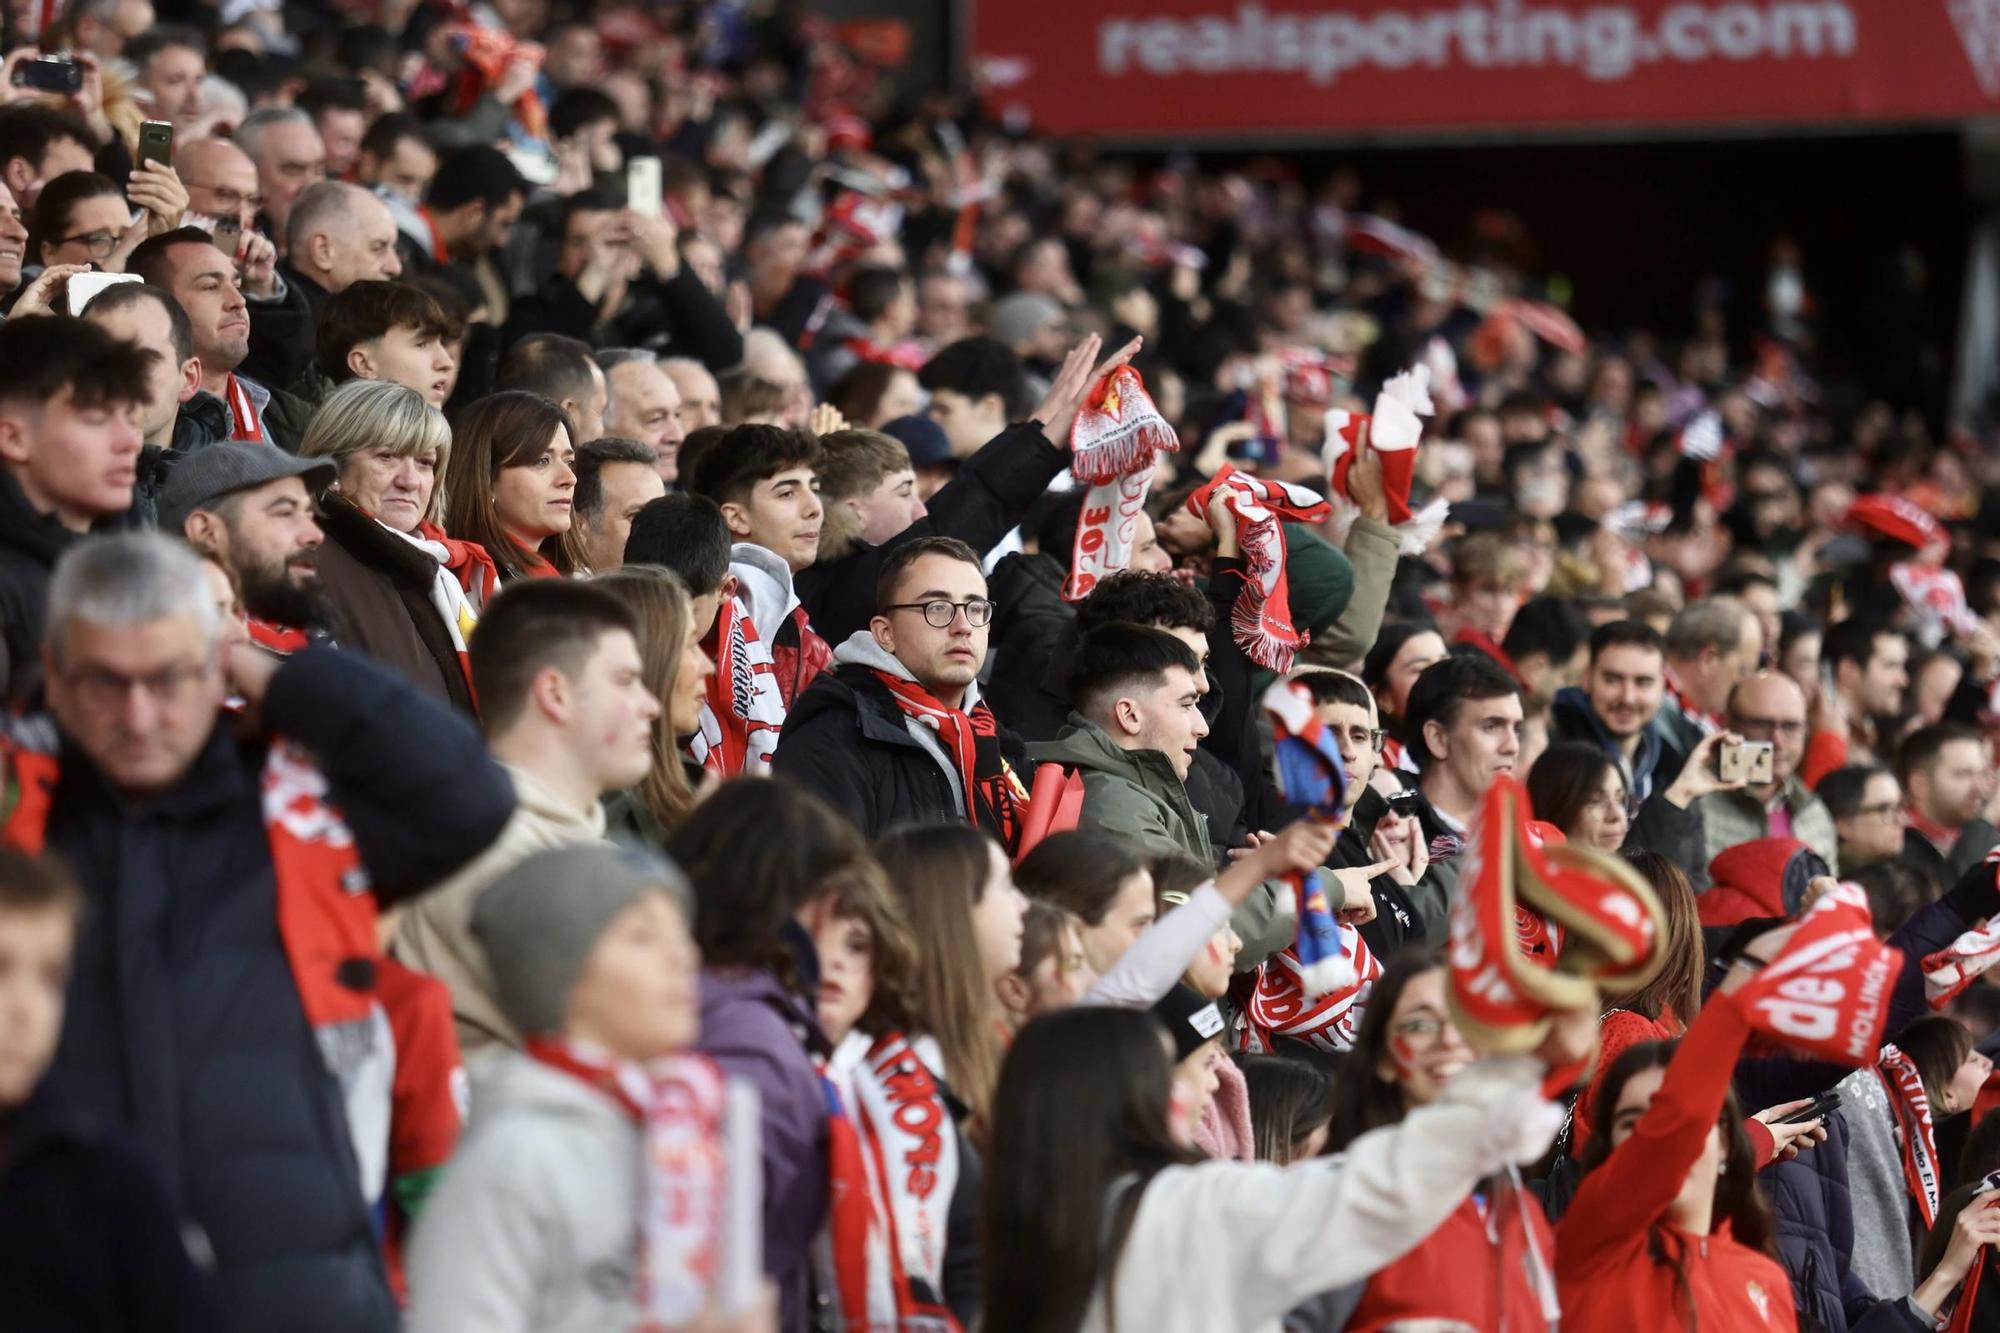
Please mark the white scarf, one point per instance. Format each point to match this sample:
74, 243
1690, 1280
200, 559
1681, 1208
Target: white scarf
447, 598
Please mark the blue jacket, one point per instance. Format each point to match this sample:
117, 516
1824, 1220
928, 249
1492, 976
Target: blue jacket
184, 1021
1657, 763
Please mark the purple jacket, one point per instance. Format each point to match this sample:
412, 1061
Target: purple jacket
751, 1024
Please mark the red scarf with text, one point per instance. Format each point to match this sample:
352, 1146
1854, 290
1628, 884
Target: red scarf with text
244, 424
1262, 618
894, 1168
679, 1105
1913, 1126
743, 711
1113, 443
1280, 1004
1827, 992
994, 798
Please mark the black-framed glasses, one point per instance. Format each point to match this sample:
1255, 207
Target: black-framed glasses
1881, 809
939, 613
98, 243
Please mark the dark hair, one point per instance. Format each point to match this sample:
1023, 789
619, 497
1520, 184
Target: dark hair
730, 469
1853, 641
180, 333
1080, 870
58, 200
1117, 657
369, 309
41, 359
575, 108
331, 93
1565, 779
1364, 1100
1980, 1156
478, 173
1388, 645
1738, 1202
556, 222
1937, 1045
1082, 1104
756, 851
1548, 625
389, 130
1967, 1195
37, 884
1053, 520
534, 625
150, 258
1842, 789
1625, 634
28, 130
1444, 689
1793, 626
501, 430
975, 367
1135, 597
684, 533
872, 289
1289, 1099
141, 49
1677, 985
1896, 892
858, 392
550, 364
591, 459
899, 561
1921, 748
1336, 687
1178, 874
1735, 580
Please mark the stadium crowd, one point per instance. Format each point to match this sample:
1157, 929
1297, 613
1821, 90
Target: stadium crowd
653, 685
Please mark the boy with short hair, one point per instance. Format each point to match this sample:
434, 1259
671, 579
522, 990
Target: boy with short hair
370, 330
88, 1239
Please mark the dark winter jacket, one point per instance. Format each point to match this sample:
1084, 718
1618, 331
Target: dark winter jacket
1397, 921
88, 1240
758, 1030
202, 420
679, 317
184, 1018
847, 741
30, 544
293, 409
378, 589
1974, 840
1657, 763
282, 332
1032, 626
979, 506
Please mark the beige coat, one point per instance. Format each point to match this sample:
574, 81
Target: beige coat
435, 933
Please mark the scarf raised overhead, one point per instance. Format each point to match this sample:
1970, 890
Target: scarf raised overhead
994, 798
1116, 436
1262, 618
1827, 992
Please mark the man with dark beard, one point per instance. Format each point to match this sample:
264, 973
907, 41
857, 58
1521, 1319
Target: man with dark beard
251, 507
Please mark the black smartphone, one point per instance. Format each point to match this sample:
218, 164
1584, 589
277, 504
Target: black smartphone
156, 142
50, 74
1820, 1108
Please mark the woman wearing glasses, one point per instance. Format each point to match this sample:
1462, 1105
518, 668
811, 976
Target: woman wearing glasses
1577, 787
84, 218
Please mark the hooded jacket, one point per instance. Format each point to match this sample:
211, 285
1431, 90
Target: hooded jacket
764, 586
848, 741
535, 1223
1656, 764
1765, 877
30, 544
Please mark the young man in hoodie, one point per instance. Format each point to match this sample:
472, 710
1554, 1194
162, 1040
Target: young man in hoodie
589, 1191
567, 713
1618, 703
897, 732
765, 479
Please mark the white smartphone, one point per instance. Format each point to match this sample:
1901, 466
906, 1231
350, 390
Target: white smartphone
83, 288
642, 186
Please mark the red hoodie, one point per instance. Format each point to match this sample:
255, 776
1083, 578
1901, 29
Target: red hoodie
1750, 881
1607, 1277
1476, 1269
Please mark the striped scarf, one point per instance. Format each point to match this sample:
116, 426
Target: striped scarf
1914, 1127
994, 799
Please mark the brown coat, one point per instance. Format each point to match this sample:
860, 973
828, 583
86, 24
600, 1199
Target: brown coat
378, 589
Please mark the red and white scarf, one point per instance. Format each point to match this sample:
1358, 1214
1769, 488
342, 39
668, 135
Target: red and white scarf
1952, 968
244, 424
1827, 992
1280, 1006
1912, 1110
994, 797
1262, 618
1986, 1195
447, 596
894, 1168
743, 711
1708, 722
1113, 442
1393, 432
680, 1103
469, 563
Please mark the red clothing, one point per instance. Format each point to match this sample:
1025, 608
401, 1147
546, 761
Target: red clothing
428, 1102
799, 654
1826, 751
1606, 1276
1618, 1032
1462, 1273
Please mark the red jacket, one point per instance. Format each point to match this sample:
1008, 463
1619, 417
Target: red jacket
799, 654
1749, 881
1463, 1274
1607, 1278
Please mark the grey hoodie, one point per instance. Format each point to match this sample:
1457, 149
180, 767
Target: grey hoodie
534, 1227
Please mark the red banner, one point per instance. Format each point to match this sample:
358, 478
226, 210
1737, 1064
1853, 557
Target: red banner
1157, 68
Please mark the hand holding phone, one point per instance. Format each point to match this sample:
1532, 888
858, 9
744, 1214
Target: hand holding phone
50, 74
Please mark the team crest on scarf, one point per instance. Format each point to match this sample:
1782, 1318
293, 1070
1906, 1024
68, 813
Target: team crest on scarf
1116, 436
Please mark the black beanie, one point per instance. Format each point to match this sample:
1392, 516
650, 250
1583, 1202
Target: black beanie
1192, 1019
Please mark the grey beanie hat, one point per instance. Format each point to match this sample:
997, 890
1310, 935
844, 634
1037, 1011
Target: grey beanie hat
539, 921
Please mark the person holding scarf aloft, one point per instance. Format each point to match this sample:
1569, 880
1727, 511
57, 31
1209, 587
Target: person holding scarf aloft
1964, 1282
559, 1212
899, 1243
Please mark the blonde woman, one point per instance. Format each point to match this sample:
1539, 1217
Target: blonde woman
397, 587
677, 671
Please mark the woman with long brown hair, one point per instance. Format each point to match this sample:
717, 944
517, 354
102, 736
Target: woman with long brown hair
511, 480
677, 672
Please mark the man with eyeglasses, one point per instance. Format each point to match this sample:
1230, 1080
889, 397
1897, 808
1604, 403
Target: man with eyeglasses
1947, 773
1769, 707
1866, 803
222, 1010
896, 732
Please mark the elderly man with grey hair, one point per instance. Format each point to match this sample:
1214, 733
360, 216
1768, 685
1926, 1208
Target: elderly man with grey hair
339, 235
285, 146
222, 1006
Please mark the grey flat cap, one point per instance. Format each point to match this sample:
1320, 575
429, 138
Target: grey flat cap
220, 469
